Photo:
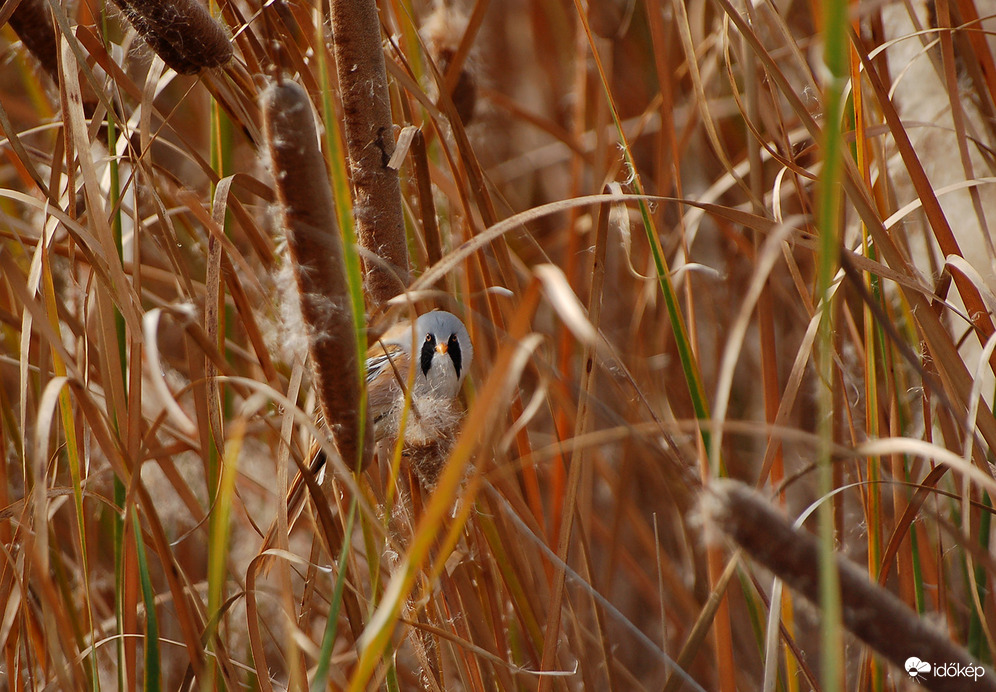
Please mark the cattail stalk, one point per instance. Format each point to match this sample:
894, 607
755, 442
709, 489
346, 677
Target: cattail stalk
366, 106
871, 613
32, 22
309, 219
182, 32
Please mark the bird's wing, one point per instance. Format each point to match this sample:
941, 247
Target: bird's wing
386, 364
379, 358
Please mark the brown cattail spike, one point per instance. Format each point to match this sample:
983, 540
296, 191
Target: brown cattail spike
870, 612
366, 105
32, 22
309, 219
182, 32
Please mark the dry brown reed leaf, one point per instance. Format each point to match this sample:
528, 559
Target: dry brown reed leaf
870, 612
366, 106
309, 220
182, 32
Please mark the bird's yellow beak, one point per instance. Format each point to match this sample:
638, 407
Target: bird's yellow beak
442, 348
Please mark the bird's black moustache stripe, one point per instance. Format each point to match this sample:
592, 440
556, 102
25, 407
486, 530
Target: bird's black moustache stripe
429, 350
425, 359
453, 350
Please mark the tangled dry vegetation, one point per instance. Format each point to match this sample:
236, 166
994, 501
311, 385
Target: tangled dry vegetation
692, 240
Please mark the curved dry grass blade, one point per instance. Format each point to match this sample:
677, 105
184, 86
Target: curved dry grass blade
157, 382
939, 224
701, 101
765, 263
693, 644
651, 647
905, 522
958, 115
566, 303
316, 248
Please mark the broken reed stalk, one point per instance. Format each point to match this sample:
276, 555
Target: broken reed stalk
32, 22
182, 32
871, 613
366, 105
309, 220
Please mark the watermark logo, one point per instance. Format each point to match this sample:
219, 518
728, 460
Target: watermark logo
919, 669
916, 668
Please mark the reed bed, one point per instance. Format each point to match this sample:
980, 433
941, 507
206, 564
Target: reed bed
729, 277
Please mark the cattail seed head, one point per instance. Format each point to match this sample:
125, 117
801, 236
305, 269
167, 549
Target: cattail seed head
182, 32
309, 220
32, 23
369, 130
870, 612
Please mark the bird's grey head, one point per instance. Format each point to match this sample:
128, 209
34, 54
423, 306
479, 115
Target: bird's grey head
444, 353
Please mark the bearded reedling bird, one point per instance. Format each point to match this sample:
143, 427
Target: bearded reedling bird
438, 346
443, 354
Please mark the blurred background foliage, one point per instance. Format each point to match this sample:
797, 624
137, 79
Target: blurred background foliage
155, 399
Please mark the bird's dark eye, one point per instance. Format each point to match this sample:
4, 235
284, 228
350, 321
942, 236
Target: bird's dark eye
428, 338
